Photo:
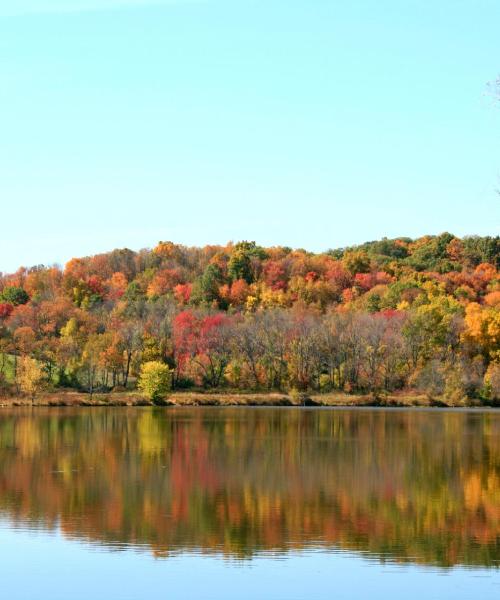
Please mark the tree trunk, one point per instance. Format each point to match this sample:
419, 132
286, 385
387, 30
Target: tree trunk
127, 369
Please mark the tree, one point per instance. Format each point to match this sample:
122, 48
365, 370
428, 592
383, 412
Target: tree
483, 328
274, 327
240, 264
357, 261
30, 376
6, 309
249, 346
116, 286
91, 361
492, 381
164, 281
303, 355
206, 288
130, 334
213, 351
14, 295
155, 380
204, 341
329, 344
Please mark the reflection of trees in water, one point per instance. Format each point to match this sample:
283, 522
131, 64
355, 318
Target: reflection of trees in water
413, 486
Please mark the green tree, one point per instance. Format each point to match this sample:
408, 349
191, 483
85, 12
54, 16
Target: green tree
14, 295
240, 264
206, 287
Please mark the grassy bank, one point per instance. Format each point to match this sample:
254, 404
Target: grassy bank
221, 398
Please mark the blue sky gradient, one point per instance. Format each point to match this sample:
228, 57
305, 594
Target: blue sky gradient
312, 124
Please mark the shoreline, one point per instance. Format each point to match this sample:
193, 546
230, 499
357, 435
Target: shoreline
263, 399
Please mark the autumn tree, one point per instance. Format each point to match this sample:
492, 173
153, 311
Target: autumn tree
30, 376
130, 342
206, 341
249, 345
155, 380
357, 261
379, 316
274, 327
303, 352
92, 362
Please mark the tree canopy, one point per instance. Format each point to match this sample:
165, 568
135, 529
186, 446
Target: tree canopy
385, 315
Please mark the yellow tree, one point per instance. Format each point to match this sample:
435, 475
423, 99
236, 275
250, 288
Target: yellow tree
483, 328
155, 380
30, 376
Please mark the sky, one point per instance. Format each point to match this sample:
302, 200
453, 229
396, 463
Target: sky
308, 123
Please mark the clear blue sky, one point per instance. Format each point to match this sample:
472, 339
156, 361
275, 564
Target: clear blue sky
309, 123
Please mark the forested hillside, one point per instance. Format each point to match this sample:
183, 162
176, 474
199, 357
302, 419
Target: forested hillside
387, 315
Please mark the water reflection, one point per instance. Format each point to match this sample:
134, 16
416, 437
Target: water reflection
406, 486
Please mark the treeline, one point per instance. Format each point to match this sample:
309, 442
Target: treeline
387, 315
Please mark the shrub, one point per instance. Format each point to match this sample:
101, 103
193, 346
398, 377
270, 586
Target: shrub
155, 380
297, 397
325, 383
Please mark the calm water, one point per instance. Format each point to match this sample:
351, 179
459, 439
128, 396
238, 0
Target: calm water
249, 503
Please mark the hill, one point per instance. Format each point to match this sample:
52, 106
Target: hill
384, 316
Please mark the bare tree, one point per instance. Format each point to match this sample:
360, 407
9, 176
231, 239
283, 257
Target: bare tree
274, 328
248, 343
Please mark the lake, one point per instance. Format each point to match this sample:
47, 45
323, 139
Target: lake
257, 503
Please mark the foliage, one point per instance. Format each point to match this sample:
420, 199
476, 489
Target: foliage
155, 380
240, 264
492, 382
14, 295
30, 376
385, 315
